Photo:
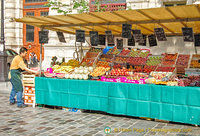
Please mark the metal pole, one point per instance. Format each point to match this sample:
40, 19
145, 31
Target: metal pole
3, 55
40, 59
2, 26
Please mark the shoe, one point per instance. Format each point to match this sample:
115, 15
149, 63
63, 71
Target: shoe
12, 103
22, 106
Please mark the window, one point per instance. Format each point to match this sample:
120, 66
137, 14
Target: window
30, 29
34, 1
44, 13
174, 3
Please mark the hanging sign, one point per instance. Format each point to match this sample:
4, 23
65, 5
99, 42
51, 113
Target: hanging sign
197, 40
43, 36
61, 37
119, 43
80, 36
143, 42
152, 40
102, 39
94, 38
110, 38
131, 41
126, 30
137, 35
187, 34
160, 34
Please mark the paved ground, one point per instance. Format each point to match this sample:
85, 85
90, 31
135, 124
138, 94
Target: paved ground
47, 121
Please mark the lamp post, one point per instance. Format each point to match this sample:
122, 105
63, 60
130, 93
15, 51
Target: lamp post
3, 54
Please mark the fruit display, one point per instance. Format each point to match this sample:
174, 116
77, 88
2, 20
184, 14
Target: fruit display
195, 62
115, 51
143, 53
137, 76
97, 50
99, 71
124, 52
160, 75
182, 60
62, 69
190, 81
138, 68
47, 74
71, 62
154, 60
134, 53
103, 64
149, 69
119, 59
119, 72
136, 61
106, 57
109, 51
80, 73
169, 59
165, 69
87, 62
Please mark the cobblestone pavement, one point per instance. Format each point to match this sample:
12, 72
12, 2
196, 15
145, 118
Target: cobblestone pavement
47, 121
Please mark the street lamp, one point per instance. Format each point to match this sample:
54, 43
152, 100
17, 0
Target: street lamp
3, 54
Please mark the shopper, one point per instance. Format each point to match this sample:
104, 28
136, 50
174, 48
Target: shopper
17, 66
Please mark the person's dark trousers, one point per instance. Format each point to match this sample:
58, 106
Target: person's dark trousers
18, 94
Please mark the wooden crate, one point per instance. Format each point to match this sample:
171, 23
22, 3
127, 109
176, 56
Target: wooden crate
29, 99
28, 80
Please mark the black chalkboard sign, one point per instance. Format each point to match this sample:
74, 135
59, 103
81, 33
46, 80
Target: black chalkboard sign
61, 37
137, 35
94, 38
160, 34
131, 41
110, 38
43, 36
102, 39
187, 34
152, 40
143, 42
80, 36
126, 30
119, 43
197, 40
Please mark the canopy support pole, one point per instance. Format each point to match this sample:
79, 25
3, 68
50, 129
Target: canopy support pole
41, 57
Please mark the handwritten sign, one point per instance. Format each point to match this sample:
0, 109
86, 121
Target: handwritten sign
43, 36
160, 34
126, 30
187, 34
80, 36
110, 38
61, 37
152, 40
137, 35
94, 38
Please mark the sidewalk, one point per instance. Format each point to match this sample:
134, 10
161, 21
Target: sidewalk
5, 87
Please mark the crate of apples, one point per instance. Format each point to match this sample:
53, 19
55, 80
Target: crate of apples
136, 61
124, 52
149, 69
165, 69
120, 59
119, 72
103, 63
134, 53
182, 60
154, 60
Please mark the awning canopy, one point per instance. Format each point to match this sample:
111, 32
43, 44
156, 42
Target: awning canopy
172, 19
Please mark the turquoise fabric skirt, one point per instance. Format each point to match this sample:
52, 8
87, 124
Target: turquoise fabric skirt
173, 103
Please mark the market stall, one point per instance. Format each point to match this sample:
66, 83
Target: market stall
129, 81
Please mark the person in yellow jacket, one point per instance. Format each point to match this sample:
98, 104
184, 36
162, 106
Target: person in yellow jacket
17, 66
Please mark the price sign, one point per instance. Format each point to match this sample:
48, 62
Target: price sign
80, 36
43, 36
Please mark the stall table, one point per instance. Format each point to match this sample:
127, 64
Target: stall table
172, 103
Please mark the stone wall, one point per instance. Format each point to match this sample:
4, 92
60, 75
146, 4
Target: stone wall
13, 30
